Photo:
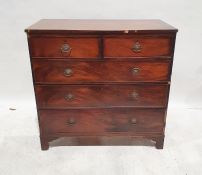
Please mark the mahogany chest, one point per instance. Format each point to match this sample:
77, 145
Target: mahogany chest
96, 81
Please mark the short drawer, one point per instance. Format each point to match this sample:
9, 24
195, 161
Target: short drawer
65, 72
102, 121
137, 47
67, 96
64, 47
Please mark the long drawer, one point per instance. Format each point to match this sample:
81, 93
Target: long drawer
103, 121
67, 72
67, 96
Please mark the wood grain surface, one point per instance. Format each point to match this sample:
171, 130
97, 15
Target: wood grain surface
100, 122
59, 97
52, 72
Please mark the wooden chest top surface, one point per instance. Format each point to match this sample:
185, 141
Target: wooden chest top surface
118, 26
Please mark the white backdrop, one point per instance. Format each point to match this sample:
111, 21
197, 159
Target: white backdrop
16, 15
19, 136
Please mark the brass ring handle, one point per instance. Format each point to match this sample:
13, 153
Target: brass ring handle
71, 121
66, 48
135, 95
68, 72
69, 97
137, 47
135, 70
133, 121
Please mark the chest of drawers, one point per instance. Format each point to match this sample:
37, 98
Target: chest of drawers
96, 81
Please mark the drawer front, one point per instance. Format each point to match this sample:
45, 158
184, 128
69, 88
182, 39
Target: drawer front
64, 47
64, 72
53, 96
94, 121
137, 47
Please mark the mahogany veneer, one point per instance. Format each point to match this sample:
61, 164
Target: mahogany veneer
152, 46
98, 79
124, 121
51, 47
132, 95
52, 72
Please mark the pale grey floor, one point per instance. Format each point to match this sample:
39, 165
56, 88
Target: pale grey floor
20, 152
